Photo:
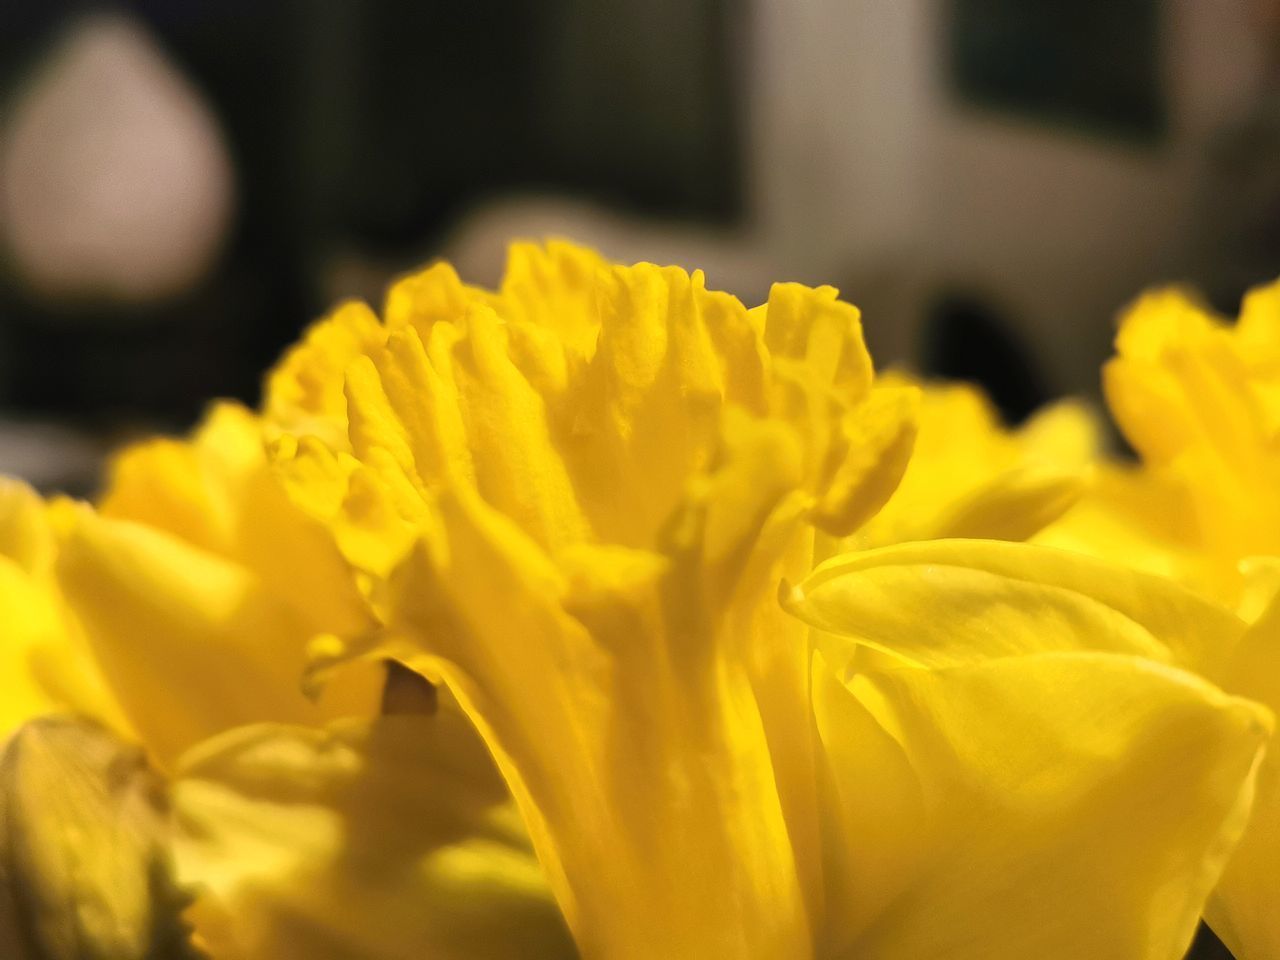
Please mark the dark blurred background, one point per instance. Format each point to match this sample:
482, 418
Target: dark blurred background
184, 184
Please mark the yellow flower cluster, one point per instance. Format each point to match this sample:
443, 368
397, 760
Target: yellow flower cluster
601, 616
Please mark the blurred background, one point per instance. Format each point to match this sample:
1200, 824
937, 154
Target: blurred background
184, 184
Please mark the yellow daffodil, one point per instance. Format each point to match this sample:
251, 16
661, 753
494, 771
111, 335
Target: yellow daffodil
1199, 399
574, 500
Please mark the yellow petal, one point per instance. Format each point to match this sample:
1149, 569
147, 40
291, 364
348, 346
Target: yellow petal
371, 510
217, 492
1013, 506
298, 561
873, 814
943, 602
965, 614
553, 286
25, 535
1142, 518
190, 643
45, 666
31, 618
32, 622
390, 840
812, 327
879, 435
576, 441
1075, 805
1201, 403
1259, 327
430, 296
303, 393
84, 867
1178, 381
969, 476
191, 489
1242, 911
510, 436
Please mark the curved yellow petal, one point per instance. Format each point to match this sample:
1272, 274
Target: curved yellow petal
192, 489
303, 392
1088, 652
1178, 381
45, 666
552, 286
948, 601
1242, 911
969, 476
217, 492
25, 534
1075, 805
189, 642
879, 436
393, 839
873, 815
1014, 506
32, 622
813, 327
1142, 518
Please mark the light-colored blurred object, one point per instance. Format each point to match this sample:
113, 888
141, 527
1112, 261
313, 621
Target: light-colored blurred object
115, 182
49, 456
